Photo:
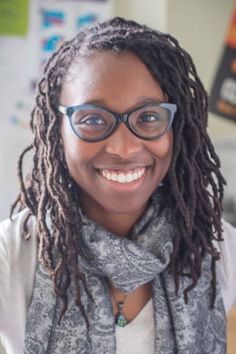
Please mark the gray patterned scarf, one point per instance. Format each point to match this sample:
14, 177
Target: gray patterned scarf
128, 263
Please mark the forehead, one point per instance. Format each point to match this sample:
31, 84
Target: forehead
113, 79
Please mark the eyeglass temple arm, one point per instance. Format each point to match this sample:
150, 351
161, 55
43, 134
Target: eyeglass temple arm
171, 106
62, 109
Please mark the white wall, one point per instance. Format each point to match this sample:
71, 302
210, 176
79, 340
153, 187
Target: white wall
150, 12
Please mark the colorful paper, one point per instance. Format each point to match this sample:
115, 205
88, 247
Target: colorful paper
52, 18
86, 20
14, 17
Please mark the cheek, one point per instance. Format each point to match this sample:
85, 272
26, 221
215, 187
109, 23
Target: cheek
163, 148
72, 145
78, 153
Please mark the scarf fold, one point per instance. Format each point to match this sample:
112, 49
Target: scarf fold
128, 263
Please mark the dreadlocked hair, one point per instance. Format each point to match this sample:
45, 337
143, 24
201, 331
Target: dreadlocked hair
194, 182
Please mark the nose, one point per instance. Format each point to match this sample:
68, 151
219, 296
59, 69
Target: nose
124, 143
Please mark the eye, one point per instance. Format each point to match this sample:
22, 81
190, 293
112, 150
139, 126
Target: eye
149, 118
91, 120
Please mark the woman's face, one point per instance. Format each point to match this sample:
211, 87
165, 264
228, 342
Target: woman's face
120, 83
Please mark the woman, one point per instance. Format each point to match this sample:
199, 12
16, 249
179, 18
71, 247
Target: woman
117, 244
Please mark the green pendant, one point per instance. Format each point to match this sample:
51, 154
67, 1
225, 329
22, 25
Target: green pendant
121, 321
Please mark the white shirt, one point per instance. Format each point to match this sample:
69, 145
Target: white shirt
17, 268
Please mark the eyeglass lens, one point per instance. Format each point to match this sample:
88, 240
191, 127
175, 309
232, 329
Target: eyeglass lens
146, 122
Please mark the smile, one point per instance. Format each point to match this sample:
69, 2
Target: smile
123, 177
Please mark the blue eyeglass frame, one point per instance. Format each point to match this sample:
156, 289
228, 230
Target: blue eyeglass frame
119, 117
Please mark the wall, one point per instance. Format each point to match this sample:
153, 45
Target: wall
151, 12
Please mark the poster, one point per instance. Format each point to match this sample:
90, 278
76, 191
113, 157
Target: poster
62, 19
14, 17
223, 94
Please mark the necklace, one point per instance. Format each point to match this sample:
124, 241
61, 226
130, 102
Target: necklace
120, 319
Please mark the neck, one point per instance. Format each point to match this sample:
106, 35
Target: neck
119, 224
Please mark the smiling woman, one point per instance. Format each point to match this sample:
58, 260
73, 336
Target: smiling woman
117, 244
117, 174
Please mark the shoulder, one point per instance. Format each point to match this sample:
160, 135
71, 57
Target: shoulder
11, 240
17, 262
227, 247
15, 251
226, 266
12, 228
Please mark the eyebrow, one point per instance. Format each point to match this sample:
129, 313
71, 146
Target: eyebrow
140, 101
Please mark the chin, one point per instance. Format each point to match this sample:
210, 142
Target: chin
126, 208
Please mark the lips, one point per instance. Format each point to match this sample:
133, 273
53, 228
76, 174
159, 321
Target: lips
123, 177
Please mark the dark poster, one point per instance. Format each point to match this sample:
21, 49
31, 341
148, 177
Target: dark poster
223, 93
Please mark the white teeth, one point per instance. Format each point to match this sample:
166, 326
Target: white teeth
113, 177
129, 177
123, 177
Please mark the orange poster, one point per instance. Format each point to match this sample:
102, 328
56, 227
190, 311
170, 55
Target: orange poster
223, 93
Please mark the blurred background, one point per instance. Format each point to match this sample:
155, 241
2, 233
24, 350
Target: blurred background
30, 30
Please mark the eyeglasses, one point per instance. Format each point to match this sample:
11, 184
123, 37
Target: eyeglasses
94, 123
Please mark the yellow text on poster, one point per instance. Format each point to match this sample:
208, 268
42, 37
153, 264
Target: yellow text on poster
14, 17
